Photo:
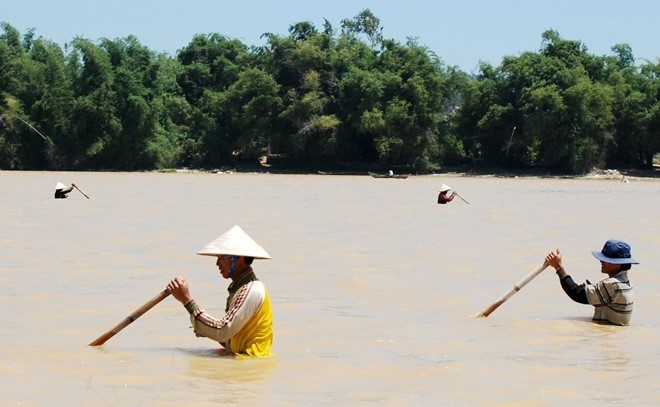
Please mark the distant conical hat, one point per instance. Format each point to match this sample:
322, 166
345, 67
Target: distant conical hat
234, 242
444, 188
59, 185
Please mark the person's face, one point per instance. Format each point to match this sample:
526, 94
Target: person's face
609, 268
223, 263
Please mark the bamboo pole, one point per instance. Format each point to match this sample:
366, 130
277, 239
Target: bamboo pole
76, 187
129, 319
462, 198
514, 290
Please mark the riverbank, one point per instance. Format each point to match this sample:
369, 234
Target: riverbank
613, 174
280, 164
623, 175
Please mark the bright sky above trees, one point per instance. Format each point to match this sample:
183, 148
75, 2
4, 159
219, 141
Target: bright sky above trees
460, 32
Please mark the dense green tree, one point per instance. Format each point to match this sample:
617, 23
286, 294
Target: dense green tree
558, 104
473, 122
246, 111
306, 127
95, 125
52, 107
321, 98
211, 64
353, 89
131, 65
365, 23
9, 134
34, 92
171, 143
636, 106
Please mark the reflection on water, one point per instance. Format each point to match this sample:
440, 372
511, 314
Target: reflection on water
250, 372
374, 289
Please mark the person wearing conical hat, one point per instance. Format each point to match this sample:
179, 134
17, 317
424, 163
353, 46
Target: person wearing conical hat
444, 196
246, 329
611, 297
61, 190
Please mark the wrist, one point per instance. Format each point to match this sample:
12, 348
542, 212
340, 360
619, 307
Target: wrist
561, 272
191, 306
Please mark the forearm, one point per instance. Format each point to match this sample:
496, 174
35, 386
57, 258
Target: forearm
574, 291
220, 330
206, 325
561, 273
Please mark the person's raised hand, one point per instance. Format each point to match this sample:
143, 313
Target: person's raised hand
178, 287
554, 259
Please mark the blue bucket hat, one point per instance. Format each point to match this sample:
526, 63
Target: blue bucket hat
615, 252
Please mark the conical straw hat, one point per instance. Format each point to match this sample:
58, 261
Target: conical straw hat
444, 188
234, 242
59, 185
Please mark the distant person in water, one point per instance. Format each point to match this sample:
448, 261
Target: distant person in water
391, 173
61, 190
611, 297
444, 196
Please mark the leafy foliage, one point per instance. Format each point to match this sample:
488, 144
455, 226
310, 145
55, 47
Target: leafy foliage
321, 98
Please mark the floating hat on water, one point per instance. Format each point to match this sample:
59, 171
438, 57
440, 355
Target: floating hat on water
444, 188
234, 242
615, 252
59, 185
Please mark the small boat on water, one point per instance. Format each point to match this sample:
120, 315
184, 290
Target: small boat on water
397, 176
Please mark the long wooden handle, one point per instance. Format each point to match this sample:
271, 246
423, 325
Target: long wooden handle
129, 319
81, 191
514, 290
462, 198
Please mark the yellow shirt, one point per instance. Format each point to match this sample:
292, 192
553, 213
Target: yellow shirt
255, 337
247, 326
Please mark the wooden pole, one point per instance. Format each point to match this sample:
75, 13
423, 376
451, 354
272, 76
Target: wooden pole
462, 198
514, 290
129, 319
76, 187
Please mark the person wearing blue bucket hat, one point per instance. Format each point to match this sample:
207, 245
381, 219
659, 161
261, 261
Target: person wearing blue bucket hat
611, 297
